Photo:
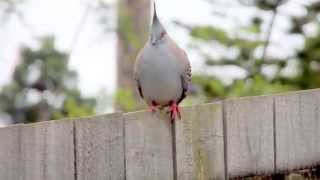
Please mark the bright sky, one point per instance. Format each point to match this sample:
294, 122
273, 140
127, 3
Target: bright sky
93, 55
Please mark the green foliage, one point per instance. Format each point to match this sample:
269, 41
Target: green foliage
125, 99
211, 87
208, 33
246, 44
43, 87
255, 26
256, 86
266, 5
256, 82
309, 60
72, 108
214, 88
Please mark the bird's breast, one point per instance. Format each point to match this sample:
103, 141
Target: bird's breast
160, 78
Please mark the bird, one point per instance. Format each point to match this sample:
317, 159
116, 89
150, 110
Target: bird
162, 71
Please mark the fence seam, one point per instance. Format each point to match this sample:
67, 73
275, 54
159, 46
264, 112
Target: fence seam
274, 135
124, 147
225, 142
75, 150
174, 151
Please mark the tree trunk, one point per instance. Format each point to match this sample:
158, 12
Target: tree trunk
133, 25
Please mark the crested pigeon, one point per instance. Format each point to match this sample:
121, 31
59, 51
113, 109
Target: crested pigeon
162, 71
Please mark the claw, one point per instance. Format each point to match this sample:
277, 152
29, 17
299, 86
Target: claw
153, 107
174, 111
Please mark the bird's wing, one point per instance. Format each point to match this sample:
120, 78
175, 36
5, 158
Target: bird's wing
185, 74
139, 88
137, 74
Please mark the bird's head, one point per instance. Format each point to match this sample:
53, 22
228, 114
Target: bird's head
157, 30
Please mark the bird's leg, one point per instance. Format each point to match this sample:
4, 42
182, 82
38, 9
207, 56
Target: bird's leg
174, 110
153, 107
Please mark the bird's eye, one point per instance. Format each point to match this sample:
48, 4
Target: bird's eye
162, 34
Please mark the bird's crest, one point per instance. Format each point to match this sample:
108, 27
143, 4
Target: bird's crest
157, 30
155, 16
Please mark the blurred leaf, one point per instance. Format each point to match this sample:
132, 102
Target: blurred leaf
242, 51
255, 26
125, 99
252, 29
56, 97
208, 33
248, 44
263, 4
257, 86
211, 87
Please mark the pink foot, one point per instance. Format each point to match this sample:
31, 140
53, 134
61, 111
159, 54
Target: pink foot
153, 107
174, 111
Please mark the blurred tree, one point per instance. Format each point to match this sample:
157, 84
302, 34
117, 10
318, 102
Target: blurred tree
308, 58
249, 48
13, 8
9, 7
133, 22
43, 87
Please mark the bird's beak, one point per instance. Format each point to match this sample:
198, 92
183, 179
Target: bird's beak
153, 41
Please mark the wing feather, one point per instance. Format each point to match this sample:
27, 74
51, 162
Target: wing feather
185, 77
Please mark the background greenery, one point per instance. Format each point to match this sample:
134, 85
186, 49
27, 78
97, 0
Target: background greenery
306, 71
43, 87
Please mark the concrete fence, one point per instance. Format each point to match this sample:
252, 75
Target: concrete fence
235, 137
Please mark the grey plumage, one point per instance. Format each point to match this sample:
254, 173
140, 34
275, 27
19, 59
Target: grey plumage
162, 69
